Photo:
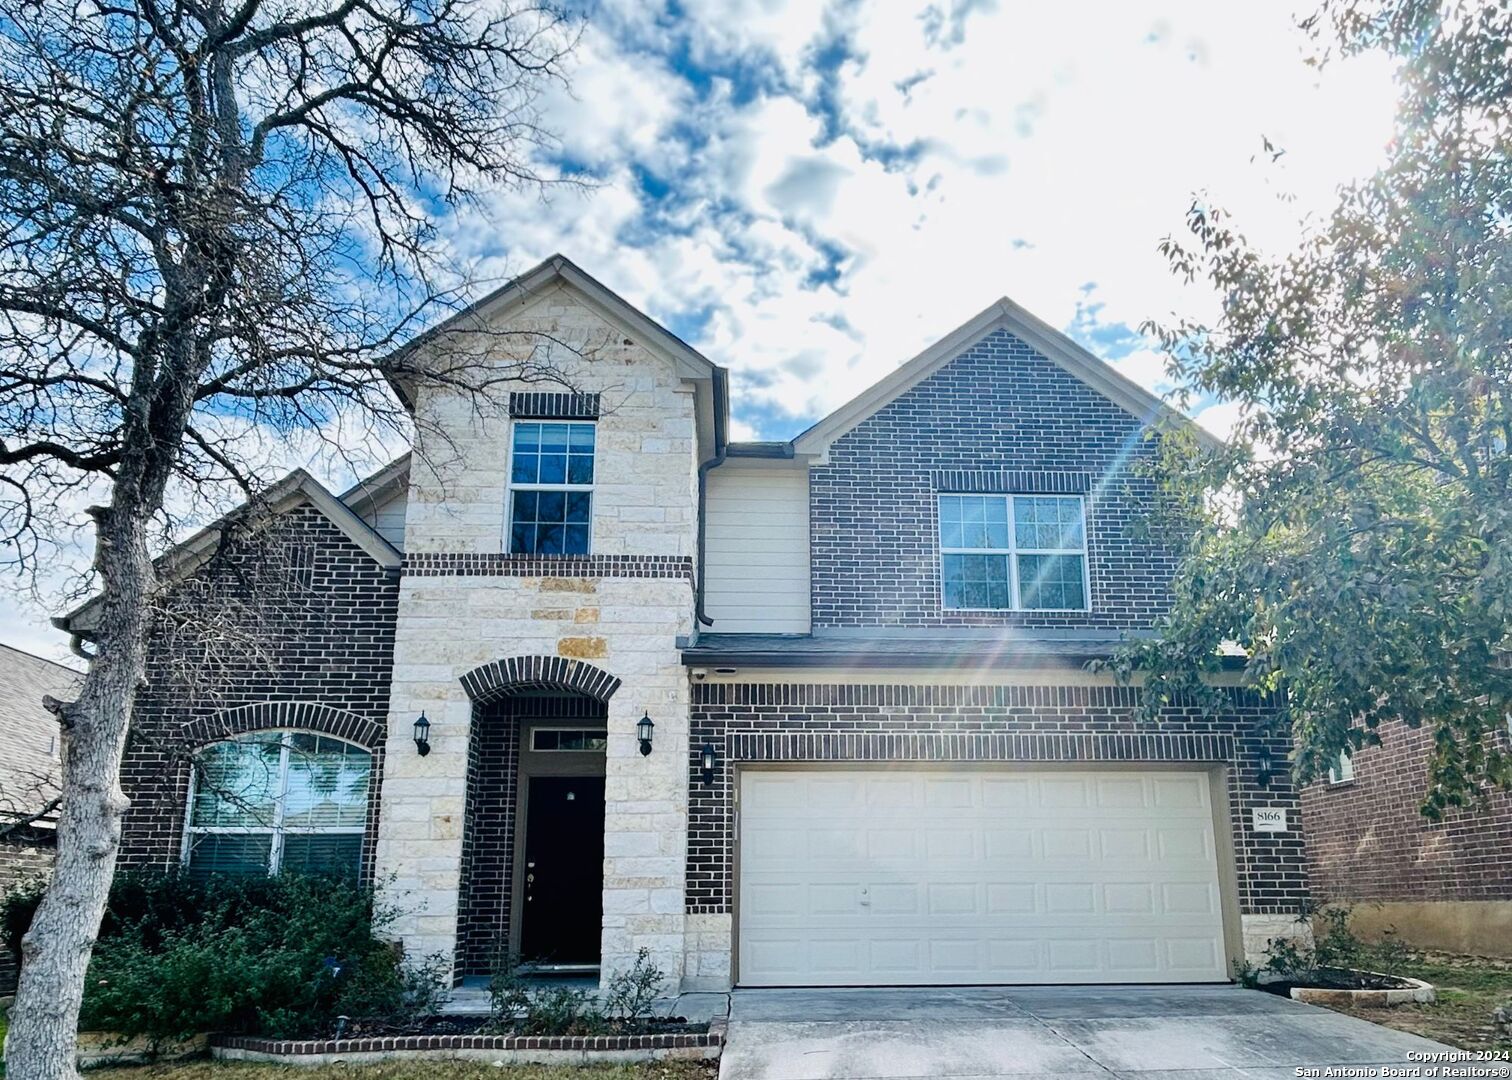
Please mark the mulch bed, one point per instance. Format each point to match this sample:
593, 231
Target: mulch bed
484, 1025
1337, 979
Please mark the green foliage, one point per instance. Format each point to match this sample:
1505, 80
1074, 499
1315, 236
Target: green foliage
521, 1006
280, 956
631, 993
526, 1009
1334, 947
1355, 539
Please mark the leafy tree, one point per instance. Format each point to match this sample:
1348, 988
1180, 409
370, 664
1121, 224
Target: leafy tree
1356, 540
216, 226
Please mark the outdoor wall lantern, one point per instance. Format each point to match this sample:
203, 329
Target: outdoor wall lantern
422, 735
1265, 767
706, 762
643, 733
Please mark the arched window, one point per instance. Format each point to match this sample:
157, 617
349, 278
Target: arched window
277, 800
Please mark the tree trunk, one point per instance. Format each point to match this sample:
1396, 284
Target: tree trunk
55, 952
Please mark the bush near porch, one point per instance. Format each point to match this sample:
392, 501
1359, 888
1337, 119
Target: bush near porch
281, 956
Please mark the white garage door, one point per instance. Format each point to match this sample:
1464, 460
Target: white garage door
883, 876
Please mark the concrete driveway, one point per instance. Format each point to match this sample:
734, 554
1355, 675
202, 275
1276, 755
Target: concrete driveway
1146, 1032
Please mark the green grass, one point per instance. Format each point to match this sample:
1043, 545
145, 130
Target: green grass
1469, 989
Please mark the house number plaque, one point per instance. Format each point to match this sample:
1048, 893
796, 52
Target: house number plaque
1270, 819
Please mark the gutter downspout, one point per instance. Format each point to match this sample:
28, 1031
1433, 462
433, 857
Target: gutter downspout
721, 446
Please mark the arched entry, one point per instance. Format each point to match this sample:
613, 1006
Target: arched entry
533, 839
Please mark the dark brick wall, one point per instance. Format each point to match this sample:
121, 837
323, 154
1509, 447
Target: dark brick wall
332, 648
1367, 841
22, 860
765, 722
999, 408
485, 900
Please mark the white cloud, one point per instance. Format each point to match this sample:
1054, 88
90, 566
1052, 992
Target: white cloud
819, 223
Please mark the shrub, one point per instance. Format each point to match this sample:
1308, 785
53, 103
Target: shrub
630, 994
1334, 947
525, 1009
279, 956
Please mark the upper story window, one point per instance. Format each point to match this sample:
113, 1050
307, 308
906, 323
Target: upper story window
1013, 552
1343, 770
277, 800
551, 488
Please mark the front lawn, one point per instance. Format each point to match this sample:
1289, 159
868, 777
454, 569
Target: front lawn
410, 1070
1469, 989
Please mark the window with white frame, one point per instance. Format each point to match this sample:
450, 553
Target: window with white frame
1013, 552
1343, 770
551, 488
277, 800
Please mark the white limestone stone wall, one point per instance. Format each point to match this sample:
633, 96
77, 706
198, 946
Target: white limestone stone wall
1260, 930
644, 503
645, 482
707, 962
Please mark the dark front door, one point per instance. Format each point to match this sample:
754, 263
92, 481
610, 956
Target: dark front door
564, 870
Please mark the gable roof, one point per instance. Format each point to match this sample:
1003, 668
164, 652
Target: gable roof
560, 270
296, 489
1039, 335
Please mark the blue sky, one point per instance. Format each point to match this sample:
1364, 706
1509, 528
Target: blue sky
811, 191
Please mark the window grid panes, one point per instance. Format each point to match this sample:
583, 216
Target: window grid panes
1013, 552
551, 488
578, 739
277, 800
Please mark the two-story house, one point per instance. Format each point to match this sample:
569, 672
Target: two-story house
584, 677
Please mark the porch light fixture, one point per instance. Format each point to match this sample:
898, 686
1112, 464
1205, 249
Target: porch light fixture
643, 733
1265, 767
422, 736
707, 762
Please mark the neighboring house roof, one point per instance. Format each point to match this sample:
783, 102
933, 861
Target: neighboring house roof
296, 489
1028, 328
29, 768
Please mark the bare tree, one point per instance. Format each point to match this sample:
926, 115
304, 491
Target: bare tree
215, 223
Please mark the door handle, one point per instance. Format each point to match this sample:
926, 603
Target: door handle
865, 898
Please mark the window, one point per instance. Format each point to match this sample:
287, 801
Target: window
1007, 552
550, 488
556, 739
1343, 771
277, 800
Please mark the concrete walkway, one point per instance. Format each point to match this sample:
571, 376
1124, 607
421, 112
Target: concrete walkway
1147, 1032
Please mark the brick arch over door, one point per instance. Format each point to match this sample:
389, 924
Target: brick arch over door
308, 716
502, 678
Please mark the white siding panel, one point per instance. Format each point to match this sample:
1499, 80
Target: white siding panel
757, 558
387, 519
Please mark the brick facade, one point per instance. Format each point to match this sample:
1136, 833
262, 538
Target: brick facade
328, 670
1015, 421
925, 723
1367, 841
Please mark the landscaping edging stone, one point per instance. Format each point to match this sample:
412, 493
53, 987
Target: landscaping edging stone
1418, 992
510, 1049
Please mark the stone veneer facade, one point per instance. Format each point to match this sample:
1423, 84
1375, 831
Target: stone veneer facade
618, 612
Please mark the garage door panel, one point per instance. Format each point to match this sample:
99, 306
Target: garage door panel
857, 877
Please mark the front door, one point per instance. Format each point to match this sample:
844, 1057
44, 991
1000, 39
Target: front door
564, 870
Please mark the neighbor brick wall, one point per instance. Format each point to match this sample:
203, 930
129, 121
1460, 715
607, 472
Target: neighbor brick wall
22, 860
1367, 840
334, 650
767, 722
1020, 423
